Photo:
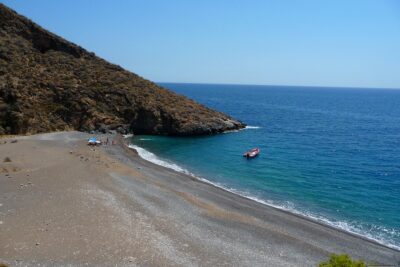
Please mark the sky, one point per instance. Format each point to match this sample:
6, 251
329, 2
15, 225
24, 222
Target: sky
346, 43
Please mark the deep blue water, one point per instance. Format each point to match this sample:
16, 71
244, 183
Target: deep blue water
329, 153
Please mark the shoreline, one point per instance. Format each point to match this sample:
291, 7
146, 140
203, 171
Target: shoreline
262, 202
113, 208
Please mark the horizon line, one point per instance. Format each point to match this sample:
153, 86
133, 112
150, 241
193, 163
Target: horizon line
283, 85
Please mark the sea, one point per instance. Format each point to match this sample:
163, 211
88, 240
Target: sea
331, 154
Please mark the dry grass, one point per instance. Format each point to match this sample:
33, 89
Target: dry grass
49, 84
3, 136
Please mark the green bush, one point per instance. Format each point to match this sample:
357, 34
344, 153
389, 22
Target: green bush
342, 260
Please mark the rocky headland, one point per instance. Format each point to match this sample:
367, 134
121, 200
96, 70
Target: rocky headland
50, 84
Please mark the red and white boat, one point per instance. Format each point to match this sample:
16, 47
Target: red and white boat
252, 153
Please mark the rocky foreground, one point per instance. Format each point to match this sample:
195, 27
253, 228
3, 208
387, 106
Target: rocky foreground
49, 84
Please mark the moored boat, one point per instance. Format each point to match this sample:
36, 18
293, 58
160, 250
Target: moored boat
252, 153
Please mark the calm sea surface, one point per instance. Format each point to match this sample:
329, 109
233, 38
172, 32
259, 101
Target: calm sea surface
329, 153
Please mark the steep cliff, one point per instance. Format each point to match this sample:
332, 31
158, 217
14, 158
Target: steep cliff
50, 84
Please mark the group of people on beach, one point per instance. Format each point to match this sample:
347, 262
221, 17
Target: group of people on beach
95, 142
108, 142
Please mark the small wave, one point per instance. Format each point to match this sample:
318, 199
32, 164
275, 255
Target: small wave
128, 135
353, 228
357, 228
249, 127
252, 127
231, 131
145, 139
147, 155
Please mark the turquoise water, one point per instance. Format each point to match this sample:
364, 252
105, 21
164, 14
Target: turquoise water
329, 153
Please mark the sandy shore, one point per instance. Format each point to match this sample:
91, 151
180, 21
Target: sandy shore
64, 203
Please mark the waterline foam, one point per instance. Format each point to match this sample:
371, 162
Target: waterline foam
286, 206
249, 127
252, 127
147, 155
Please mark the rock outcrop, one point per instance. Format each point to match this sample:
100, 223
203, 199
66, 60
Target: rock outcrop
50, 84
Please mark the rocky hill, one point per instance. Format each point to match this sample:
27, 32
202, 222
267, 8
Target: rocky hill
50, 84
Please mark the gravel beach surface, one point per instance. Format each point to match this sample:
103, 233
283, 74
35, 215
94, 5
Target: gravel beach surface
63, 203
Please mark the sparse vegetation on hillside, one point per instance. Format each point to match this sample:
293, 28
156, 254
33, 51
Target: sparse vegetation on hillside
50, 84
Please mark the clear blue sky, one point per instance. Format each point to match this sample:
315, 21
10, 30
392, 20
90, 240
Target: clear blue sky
286, 42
